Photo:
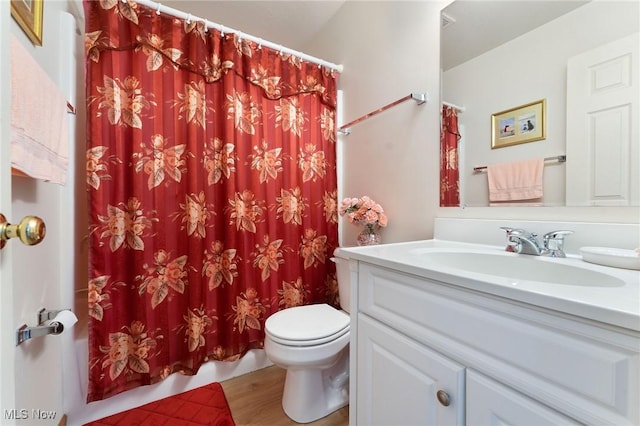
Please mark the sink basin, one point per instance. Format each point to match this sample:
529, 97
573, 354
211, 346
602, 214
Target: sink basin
519, 268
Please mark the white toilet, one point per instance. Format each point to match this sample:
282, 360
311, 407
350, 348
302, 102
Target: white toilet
312, 343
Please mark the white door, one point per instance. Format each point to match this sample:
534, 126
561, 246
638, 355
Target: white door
603, 139
7, 361
403, 382
34, 277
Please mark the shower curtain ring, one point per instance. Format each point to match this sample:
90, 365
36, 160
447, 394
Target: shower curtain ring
158, 9
189, 19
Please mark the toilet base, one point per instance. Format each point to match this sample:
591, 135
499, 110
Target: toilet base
310, 394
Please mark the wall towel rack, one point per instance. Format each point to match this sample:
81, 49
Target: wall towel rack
558, 158
420, 99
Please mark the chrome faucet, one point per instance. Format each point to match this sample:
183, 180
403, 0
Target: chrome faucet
523, 242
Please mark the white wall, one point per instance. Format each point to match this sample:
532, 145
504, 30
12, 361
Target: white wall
526, 69
388, 49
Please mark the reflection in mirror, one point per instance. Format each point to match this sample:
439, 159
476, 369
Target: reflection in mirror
497, 56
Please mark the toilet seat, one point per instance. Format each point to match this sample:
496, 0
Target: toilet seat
307, 325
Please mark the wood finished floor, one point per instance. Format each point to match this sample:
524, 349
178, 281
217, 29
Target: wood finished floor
256, 399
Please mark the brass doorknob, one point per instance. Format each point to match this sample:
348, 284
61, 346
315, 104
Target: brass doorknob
31, 230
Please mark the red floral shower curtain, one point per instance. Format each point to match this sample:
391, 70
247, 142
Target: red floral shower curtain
449, 174
212, 193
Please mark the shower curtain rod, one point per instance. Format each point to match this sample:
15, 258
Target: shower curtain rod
459, 108
159, 8
420, 98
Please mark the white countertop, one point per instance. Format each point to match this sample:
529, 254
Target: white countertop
616, 305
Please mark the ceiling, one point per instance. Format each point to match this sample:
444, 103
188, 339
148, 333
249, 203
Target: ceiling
480, 25
288, 23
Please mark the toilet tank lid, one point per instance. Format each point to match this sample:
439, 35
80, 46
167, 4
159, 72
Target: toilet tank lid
309, 322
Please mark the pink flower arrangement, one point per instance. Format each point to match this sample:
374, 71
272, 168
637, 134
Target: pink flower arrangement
363, 211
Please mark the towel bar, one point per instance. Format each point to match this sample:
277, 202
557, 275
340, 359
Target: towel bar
419, 98
558, 158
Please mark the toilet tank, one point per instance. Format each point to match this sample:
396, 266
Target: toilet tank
343, 275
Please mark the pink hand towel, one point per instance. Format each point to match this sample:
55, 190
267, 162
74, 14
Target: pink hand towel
39, 144
521, 180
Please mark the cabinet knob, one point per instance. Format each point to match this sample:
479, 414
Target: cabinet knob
443, 398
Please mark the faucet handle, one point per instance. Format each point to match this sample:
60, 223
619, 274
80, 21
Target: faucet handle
555, 236
554, 243
523, 233
510, 243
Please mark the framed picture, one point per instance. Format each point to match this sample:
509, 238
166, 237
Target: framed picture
28, 14
526, 123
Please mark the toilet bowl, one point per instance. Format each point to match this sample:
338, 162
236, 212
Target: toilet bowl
312, 343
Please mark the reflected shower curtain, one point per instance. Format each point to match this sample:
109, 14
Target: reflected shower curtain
211, 181
449, 173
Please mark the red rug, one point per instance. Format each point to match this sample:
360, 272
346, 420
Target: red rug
202, 406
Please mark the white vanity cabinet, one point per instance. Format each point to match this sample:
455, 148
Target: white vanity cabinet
493, 359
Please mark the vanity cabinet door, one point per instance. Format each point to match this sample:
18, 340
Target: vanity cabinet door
491, 403
401, 381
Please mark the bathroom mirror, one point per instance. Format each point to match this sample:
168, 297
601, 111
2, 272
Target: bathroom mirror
499, 55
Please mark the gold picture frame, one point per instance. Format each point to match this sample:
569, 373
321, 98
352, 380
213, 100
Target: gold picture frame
526, 123
28, 14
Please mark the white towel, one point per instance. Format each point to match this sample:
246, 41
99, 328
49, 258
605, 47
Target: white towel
39, 144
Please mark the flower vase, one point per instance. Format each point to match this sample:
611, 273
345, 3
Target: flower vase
369, 236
